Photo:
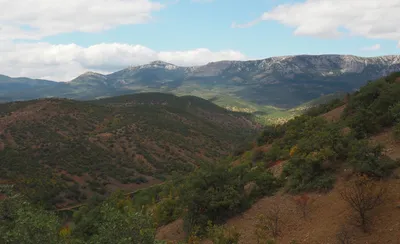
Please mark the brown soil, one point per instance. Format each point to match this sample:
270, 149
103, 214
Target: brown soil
277, 168
172, 232
335, 114
328, 211
392, 148
327, 214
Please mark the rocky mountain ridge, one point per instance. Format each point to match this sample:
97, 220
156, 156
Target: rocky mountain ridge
285, 81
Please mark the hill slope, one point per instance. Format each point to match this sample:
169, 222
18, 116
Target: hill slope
318, 177
315, 157
120, 142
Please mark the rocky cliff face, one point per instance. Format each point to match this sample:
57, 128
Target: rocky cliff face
272, 70
319, 65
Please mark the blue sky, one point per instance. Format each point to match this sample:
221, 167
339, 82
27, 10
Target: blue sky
207, 24
58, 39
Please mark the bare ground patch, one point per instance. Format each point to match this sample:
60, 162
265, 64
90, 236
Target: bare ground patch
335, 114
327, 214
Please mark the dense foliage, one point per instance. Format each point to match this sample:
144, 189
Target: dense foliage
374, 106
217, 192
314, 148
208, 196
325, 107
112, 221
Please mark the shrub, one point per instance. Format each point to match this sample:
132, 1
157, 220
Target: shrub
363, 195
369, 160
396, 132
305, 174
269, 224
21, 222
257, 155
303, 203
222, 235
166, 211
268, 135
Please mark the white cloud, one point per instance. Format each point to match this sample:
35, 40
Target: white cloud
326, 18
372, 48
64, 62
34, 19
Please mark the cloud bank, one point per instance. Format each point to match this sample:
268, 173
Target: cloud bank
336, 18
65, 62
35, 19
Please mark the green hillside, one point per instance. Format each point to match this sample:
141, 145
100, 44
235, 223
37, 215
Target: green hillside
306, 155
77, 149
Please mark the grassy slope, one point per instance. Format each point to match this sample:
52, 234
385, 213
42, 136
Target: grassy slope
124, 142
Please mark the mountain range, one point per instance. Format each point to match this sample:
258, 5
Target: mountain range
279, 82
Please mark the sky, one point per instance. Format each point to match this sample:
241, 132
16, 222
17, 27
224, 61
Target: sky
59, 39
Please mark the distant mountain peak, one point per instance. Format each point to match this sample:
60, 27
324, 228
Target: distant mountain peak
90, 73
156, 64
159, 62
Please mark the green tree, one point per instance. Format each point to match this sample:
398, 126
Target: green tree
115, 221
396, 132
213, 193
24, 223
369, 160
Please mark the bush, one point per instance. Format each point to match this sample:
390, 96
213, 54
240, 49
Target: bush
114, 220
166, 211
222, 235
307, 175
324, 108
396, 132
257, 155
242, 148
395, 112
376, 105
363, 195
369, 160
267, 184
21, 222
216, 192
268, 135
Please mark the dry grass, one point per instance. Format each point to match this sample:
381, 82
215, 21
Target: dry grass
392, 148
326, 217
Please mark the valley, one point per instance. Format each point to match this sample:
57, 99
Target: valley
199, 122
271, 88
181, 169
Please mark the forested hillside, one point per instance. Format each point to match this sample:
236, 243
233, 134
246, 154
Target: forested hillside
323, 177
64, 151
